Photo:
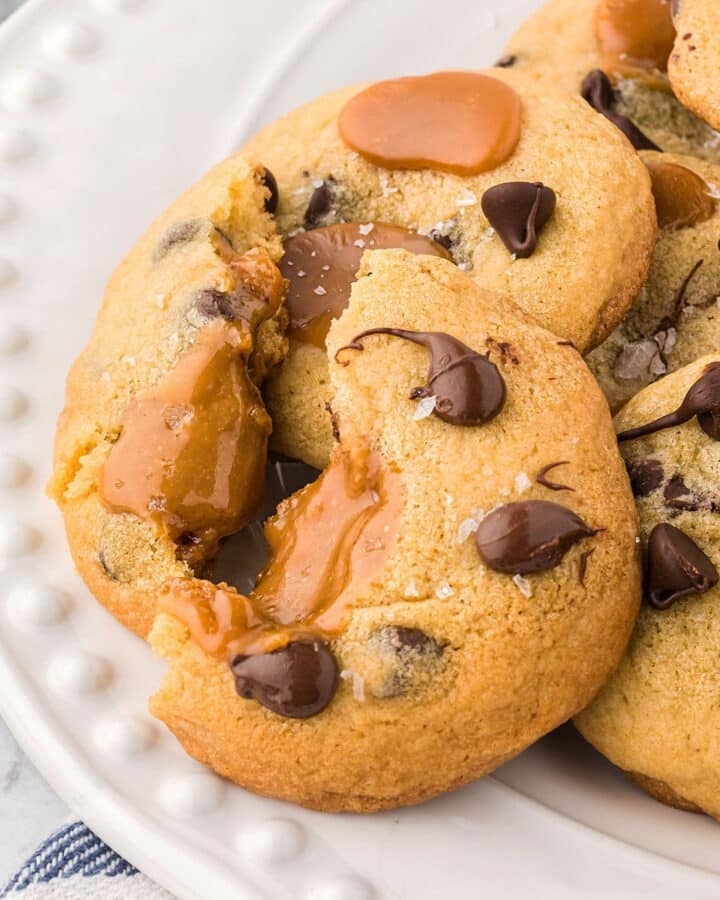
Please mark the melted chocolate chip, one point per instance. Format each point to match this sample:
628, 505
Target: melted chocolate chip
676, 566
181, 233
518, 210
529, 536
297, 681
678, 495
702, 400
468, 388
597, 91
582, 569
215, 304
552, 485
646, 476
506, 62
271, 202
319, 205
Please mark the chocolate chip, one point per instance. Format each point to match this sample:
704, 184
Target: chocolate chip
443, 239
646, 476
506, 62
180, 233
676, 566
552, 485
406, 654
678, 495
598, 92
319, 205
215, 304
467, 387
582, 570
518, 210
702, 400
529, 536
404, 640
271, 202
297, 681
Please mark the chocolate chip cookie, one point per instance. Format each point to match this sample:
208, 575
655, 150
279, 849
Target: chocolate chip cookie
615, 54
532, 194
695, 60
462, 577
676, 316
161, 447
657, 717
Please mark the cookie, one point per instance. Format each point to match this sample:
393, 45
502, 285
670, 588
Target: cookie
460, 579
695, 60
676, 316
657, 717
615, 54
552, 213
160, 449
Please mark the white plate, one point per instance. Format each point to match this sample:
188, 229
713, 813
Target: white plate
107, 110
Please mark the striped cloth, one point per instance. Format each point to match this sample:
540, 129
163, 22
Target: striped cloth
74, 864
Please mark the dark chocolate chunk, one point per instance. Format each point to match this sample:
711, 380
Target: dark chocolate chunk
679, 496
443, 239
215, 304
319, 205
297, 681
529, 536
646, 476
676, 566
468, 388
518, 210
180, 233
271, 202
542, 479
597, 91
702, 400
506, 62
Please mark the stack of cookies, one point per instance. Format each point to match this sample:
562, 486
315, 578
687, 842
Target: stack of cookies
435, 291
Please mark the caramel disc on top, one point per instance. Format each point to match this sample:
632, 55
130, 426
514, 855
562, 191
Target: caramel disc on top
321, 266
682, 198
460, 122
634, 36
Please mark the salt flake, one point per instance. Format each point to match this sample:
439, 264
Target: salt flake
366, 229
425, 407
443, 591
467, 198
466, 528
522, 483
319, 290
523, 585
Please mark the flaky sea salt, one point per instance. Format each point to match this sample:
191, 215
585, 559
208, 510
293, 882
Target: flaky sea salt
318, 182
443, 591
359, 243
319, 290
523, 585
366, 229
467, 198
358, 683
301, 273
425, 407
465, 266
522, 482
411, 589
386, 189
466, 528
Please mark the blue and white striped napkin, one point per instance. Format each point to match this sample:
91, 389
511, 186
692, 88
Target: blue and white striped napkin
74, 864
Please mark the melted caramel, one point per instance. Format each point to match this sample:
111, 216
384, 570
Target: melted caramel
327, 543
321, 265
460, 122
191, 453
682, 198
635, 37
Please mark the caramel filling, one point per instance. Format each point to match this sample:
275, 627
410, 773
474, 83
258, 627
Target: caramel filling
635, 37
321, 266
682, 198
460, 122
327, 543
191, 453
